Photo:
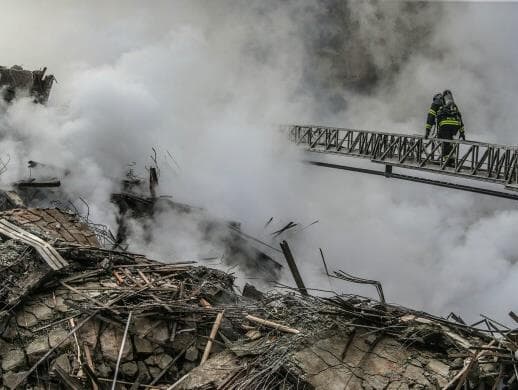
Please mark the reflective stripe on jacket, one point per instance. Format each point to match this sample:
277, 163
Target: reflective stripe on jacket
450, 121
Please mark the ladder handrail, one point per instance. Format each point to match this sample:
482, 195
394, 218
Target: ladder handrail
467, 159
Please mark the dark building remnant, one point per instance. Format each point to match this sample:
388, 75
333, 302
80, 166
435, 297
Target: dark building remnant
139, 202
240, 249
136, 204
16, 81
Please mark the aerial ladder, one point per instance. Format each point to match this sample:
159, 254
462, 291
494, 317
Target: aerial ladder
483, 162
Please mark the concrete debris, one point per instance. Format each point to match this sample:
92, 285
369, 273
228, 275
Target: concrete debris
191, 329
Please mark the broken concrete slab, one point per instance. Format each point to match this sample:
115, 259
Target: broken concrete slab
129, 369
41, 311
192, 353
56, 336
12, 359
63, 362
111, 340
142, 346
12, 380
37, 347
213, 372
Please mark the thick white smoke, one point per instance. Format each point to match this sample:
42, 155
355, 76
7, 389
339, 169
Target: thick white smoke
210, 83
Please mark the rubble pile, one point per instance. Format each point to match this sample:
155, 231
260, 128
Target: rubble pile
98, 317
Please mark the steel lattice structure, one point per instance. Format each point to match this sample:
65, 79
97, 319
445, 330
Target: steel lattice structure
467, 159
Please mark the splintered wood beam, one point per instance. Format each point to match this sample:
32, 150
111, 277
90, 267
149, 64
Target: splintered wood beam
212, 336
271, 324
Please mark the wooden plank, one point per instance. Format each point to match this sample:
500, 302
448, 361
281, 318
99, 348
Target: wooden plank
45, 250
212, 336
271, 324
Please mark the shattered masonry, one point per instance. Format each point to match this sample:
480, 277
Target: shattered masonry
314, 343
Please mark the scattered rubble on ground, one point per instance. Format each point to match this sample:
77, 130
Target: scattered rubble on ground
100, 315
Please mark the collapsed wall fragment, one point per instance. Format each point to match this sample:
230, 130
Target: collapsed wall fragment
16, 81
110, 315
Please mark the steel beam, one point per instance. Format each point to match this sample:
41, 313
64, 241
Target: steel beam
388, 173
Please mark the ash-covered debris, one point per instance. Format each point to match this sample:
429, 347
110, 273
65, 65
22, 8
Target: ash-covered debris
115, 316
138, 202
18, 82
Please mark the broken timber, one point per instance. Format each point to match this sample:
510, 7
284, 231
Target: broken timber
46, 251
37, 184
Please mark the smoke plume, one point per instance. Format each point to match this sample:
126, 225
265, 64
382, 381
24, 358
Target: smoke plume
208, 85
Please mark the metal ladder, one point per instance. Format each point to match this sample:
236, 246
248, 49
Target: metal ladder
467, 159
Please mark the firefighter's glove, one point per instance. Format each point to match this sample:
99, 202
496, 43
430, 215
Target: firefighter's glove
462, 136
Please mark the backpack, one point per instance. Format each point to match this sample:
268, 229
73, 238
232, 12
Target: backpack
449, 111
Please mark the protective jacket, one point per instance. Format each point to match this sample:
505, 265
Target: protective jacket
449, 122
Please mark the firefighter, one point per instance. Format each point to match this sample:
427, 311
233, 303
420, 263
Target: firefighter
445, 115
449, 122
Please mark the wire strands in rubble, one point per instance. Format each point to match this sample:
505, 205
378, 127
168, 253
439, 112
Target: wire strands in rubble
354, 279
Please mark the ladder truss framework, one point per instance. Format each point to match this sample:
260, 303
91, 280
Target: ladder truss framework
467, 159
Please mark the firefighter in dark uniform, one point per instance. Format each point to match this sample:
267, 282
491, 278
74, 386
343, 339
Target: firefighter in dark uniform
445, 115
